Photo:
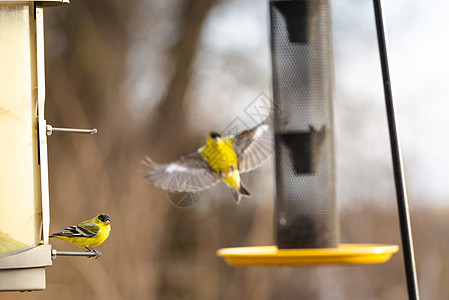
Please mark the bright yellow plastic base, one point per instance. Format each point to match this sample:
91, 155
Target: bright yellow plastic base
272, 256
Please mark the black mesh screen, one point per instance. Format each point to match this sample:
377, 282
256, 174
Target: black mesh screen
301, 40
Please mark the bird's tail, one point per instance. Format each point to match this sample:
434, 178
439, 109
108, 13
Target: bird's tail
242, 192
54, 235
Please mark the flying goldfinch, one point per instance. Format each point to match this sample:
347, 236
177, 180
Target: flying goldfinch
222, 158
87, 234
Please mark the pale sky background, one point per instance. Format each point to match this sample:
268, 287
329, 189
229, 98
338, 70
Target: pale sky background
234, 67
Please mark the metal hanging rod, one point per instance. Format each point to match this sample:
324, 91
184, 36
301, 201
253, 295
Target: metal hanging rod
401, 191
51, 129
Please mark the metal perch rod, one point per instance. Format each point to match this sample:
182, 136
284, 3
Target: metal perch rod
55, 253
51, 129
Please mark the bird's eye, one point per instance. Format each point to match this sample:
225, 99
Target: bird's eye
214, 135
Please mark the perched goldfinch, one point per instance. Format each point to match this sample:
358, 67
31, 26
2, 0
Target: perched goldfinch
222, 158
87, 234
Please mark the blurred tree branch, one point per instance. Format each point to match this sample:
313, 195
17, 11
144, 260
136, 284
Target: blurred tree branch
170, 122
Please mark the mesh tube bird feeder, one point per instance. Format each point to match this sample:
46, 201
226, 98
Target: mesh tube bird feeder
306, 214
306, 217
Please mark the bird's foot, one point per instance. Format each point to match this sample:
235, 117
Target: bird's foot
97, 253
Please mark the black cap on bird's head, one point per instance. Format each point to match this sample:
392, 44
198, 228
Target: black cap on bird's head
104, 218
215, 135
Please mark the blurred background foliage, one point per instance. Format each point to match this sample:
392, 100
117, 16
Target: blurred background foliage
154, 77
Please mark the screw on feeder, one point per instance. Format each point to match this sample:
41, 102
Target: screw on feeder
51, 129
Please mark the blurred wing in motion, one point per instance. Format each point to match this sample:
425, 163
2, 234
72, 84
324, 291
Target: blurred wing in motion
189, 174
254, 146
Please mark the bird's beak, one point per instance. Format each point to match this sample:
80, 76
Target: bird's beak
108, 222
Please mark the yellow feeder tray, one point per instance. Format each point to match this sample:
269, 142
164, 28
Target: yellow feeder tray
272, 256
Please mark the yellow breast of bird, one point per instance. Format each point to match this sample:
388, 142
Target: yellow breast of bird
220, 155
102, 235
